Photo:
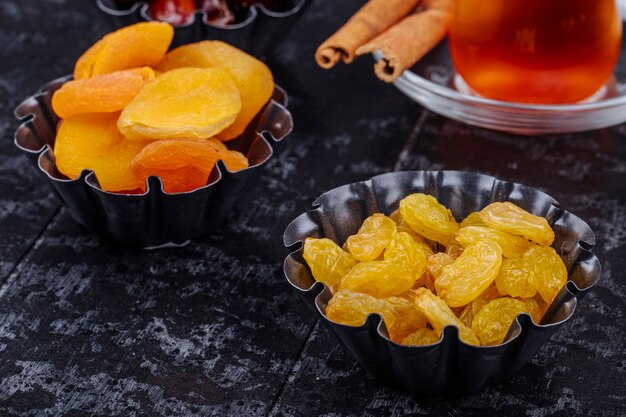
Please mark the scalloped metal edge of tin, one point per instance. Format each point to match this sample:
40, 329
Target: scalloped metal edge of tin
317, 222
271, 125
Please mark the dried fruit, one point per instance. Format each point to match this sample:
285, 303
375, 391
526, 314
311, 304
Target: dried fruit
470, 274
138, 45
328, 262
92, 141
512, 246
403, 250
176, 12
182, 103
372, 238
183, 164
435, 264
378, 278
352, 308
550, 271
439, 315
252, 77
470, 310
510, 218
473, 219
408, 317
421, 337
100, 94
402, 226
533, 309
426, 216
517, 278
493, 321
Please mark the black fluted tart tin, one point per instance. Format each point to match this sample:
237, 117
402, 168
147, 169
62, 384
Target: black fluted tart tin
257, 33
450, 365
154, 218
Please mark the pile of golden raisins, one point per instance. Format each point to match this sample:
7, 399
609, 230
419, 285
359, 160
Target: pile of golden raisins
495, 264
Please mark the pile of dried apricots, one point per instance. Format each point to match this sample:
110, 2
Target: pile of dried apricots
496, 264
134, 109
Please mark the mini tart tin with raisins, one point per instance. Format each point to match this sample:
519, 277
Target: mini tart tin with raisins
259, 31
448, 366
154, 218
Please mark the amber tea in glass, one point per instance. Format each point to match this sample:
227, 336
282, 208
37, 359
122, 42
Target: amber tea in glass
535, 51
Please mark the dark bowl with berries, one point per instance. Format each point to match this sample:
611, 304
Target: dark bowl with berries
255, 26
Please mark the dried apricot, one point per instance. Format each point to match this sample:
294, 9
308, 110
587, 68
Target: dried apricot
510, 218
328, 262
182, 103
100, 94
92, 141
372, 238
138, 45
470, 274
183, 164
439, 315
512, 246
549, 269
421, 337
493, 321
252, 77
352, 308
426, 216
517, 278
378, 278
403, 250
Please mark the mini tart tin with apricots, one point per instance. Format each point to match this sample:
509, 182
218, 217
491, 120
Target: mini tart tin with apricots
259, 31
449, 365
154, 218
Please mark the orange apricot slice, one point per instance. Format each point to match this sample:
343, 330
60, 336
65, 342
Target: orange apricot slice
251, 76
92, 141
100, 94
182, 103
138, 45
183, 164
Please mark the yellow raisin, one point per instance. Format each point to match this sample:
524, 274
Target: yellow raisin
378, 278
550, 271
454, 249
352, 308
408, 317
473, 219
533, 309
404, 251
470, 274
493, 321
435, 264
510, 218
470, 310
440, 315
402, 226
421, 337
328, 262
372, 238
512, 246
426, 216
517, 278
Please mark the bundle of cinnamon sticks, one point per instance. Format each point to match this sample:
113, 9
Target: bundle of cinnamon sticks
402, 30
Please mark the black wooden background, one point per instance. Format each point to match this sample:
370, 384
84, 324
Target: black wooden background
213, 329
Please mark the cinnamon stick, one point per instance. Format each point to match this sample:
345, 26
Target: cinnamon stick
371, 20
408, 41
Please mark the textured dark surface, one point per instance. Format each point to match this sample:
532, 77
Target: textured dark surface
213, 329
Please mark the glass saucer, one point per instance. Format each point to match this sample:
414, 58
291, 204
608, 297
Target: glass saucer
434, 84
